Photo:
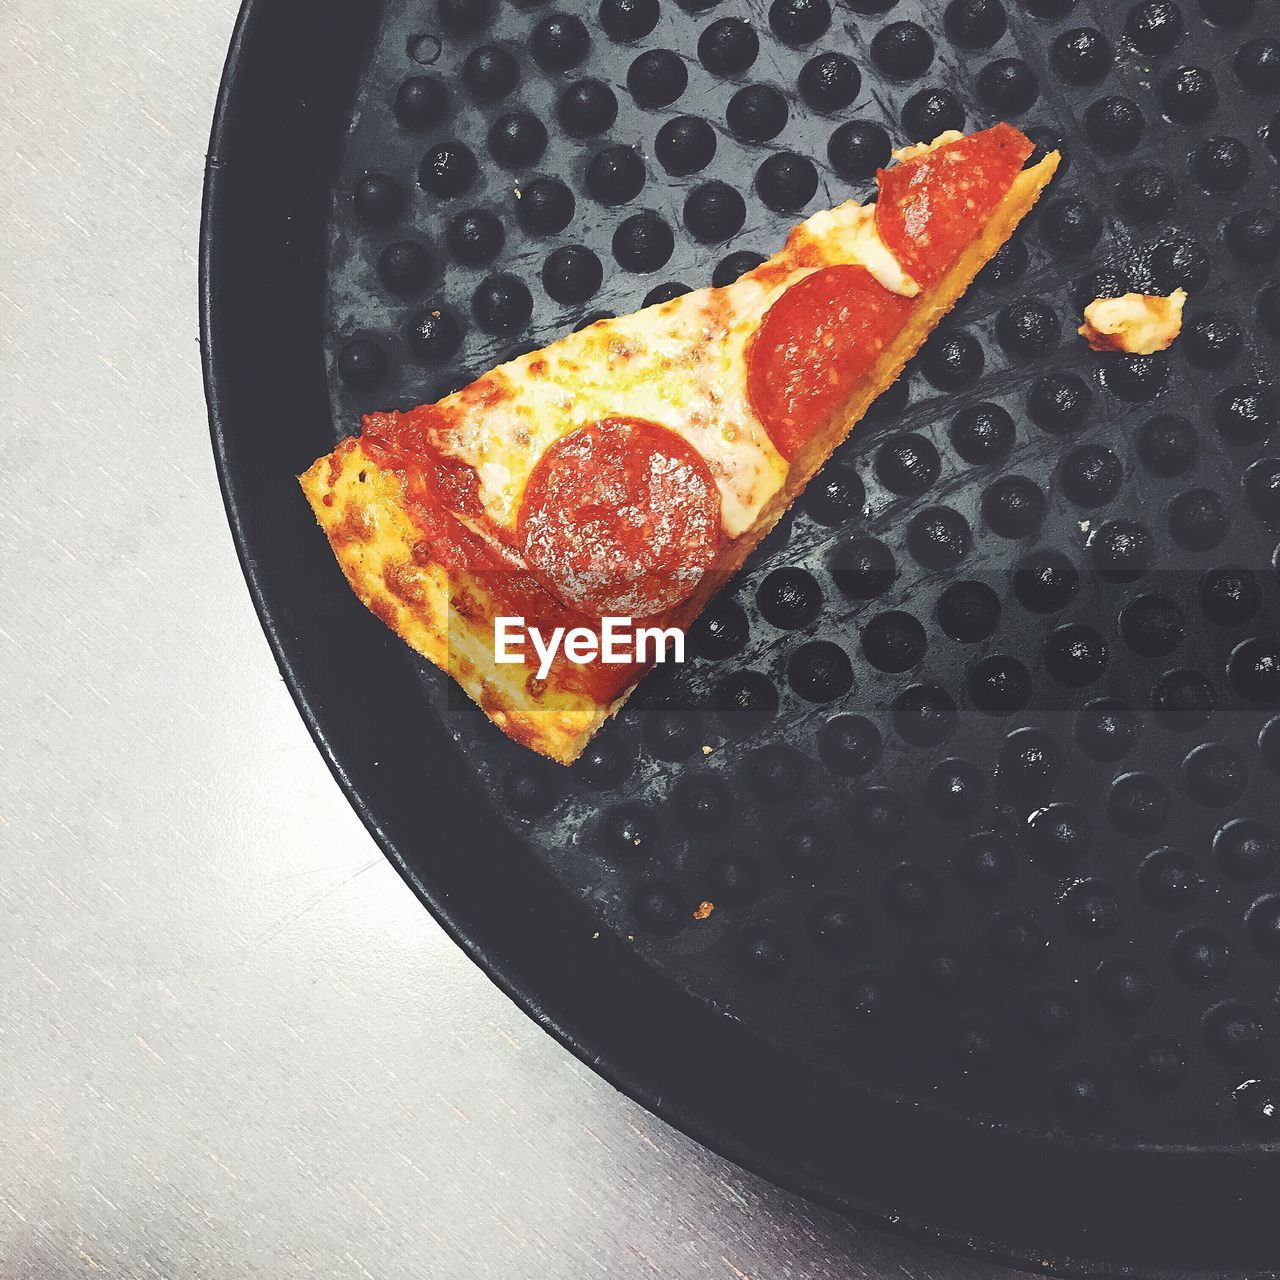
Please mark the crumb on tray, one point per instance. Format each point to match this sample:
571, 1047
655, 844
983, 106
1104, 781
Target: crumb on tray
1139, 323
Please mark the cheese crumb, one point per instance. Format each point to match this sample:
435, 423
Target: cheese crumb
1138, 323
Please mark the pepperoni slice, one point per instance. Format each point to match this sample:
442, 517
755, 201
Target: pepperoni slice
932, 206
813, 345
620, 517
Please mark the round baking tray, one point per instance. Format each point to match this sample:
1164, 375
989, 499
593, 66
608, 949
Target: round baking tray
991, 952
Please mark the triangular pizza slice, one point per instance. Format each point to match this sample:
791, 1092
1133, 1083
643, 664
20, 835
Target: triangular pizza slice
626, 470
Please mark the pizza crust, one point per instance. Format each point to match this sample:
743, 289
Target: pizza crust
390, 568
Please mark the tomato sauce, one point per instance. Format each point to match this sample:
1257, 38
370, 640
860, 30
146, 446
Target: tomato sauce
438, 488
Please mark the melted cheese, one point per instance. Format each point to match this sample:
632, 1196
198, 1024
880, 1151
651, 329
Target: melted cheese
1139, 323
914, 149
848, 233
682, 364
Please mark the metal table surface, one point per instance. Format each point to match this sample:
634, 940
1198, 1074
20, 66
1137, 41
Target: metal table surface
233, 1042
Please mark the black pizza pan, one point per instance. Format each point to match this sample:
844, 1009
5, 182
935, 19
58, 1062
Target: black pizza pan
766, 1069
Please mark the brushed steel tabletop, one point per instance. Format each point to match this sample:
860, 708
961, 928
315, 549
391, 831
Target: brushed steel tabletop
233, 1043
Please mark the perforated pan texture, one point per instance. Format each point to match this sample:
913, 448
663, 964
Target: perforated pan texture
975, 762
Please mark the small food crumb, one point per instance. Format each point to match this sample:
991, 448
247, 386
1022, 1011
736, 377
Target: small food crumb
704, 909
1139, 323
706, 751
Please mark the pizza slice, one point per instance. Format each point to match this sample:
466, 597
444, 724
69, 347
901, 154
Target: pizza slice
628, 469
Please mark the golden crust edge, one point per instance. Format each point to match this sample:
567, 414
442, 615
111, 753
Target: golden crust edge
373, 537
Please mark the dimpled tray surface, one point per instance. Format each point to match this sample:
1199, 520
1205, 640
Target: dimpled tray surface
966, 798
